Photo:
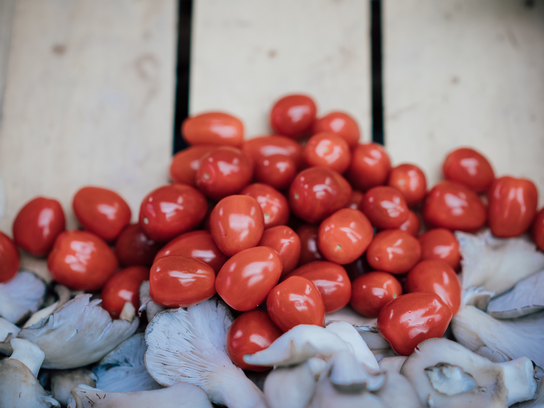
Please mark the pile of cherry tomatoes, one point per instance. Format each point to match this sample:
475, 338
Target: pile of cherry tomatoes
303, 228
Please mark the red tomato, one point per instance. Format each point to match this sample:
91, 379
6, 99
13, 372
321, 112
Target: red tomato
327, 150
393, 251
355, 200
277, 171
9, 258
412, 225
236, 223
222, 172
133, 247
246, 279
538, 230
81, 260
455, 207
357, 268
176, 281
512, 206
370, 166
171, 210
250, 333
198, 245
410, 181
123, 287
309, 251
186, 163
286, 243
293, 116
385, 207
372, 291
409, 319
215, 128
318, 192
468, 167
435, 277
260, 148
101, 211
295, 301
331, 280
273, 203
440, 244
344, 236
341, 124
38, 224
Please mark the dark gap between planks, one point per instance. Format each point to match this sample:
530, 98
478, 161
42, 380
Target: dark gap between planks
376, 70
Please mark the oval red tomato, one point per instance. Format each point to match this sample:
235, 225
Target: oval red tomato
341, 124
277, 171
260, 148
355, 200
186, 163
9, 258
327, 150
215, 128
273, 203
286, 243
134, 248
122, 287
468, 167
538, 230
309, 251
393, 251
385, 207
370, 166
440, 244
372, 291
410, 181
293, 116
412, 225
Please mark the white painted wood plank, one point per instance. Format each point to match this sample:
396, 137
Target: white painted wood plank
465, 73
6, 16
246, 54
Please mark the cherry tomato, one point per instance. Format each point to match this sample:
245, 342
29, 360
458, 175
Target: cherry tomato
250, 333
198, 245
9, 258
453, 206
410, 181
246, 279
133, 247
538, 230
273, 204
344, 236
277, 171
468, 167
370, 166
295, 301
81, 260
327, 150
171, 210
372, 291
385, 207
236, 223
176, 281
393, 251
122, 287
286, 243
101, 211
331, 280
355, 200
38, 224
409, 319
440, 244
318, 192
222, 172
260, 148
341, 124
309, 251
215, 128
412, 225
186, 163
435, 277
293, 116
512, 206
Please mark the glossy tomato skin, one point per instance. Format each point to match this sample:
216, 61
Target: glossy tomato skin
385, 207
277, 171
263, 147
250, 333
393, 251
370, 166
247, 277
134, 248
538, 230
122, 287
440, 244
171, 210
236, 223
9, 258
327, 150
273, 203
101, 211
286, 243
295, 301
412, 225
214, 128
344, 236
186, 163
330, 279
339, 123
410, 181
81, 260
309, 250
512, 206
38, 224
411, 318
355, 200
222, 172
372, 291
470, 168
176, 281
435, 277
453, 206
293, 116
